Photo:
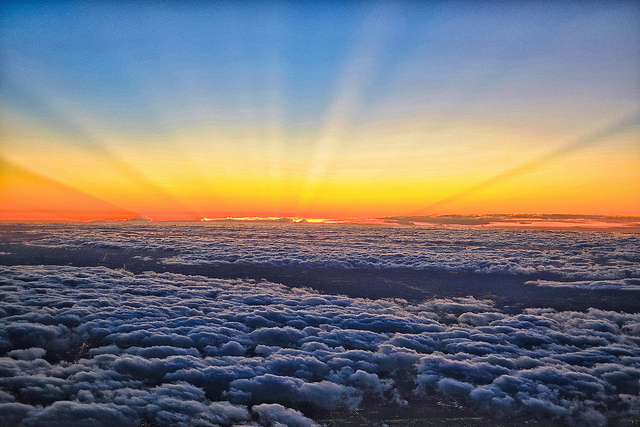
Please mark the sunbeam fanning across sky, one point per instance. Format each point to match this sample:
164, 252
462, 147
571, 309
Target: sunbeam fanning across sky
341, 114
191, 110
582, 143
319, 213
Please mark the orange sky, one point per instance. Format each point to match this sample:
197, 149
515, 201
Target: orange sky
318, 111
74, 185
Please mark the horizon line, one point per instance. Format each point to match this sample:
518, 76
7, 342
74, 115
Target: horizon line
557, 221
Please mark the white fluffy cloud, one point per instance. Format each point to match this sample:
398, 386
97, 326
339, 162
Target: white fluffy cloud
556, 255
84, 345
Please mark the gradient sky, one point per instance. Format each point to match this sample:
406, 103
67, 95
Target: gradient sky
184, 110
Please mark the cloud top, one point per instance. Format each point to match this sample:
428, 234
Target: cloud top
84, 345
547, 255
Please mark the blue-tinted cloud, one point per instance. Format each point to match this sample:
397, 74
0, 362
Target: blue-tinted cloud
607, 258
175, 350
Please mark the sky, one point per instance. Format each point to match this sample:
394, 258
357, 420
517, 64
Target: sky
187, 110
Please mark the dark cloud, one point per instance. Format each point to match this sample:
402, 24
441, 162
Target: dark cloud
32, 353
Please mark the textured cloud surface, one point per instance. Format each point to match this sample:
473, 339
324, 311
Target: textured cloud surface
97, 346
577, 259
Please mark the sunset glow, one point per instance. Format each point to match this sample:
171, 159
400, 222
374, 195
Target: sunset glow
350, 111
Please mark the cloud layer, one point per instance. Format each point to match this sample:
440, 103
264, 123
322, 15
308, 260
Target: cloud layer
87, 346
574, 258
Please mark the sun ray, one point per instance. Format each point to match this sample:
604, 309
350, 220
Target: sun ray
594, 138
84, 132
323, 110
56, 201
341, 114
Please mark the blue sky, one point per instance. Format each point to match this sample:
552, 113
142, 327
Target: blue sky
140, 57
313, 86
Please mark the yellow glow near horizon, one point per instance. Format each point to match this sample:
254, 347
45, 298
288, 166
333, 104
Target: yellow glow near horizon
320, 111
204, 180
